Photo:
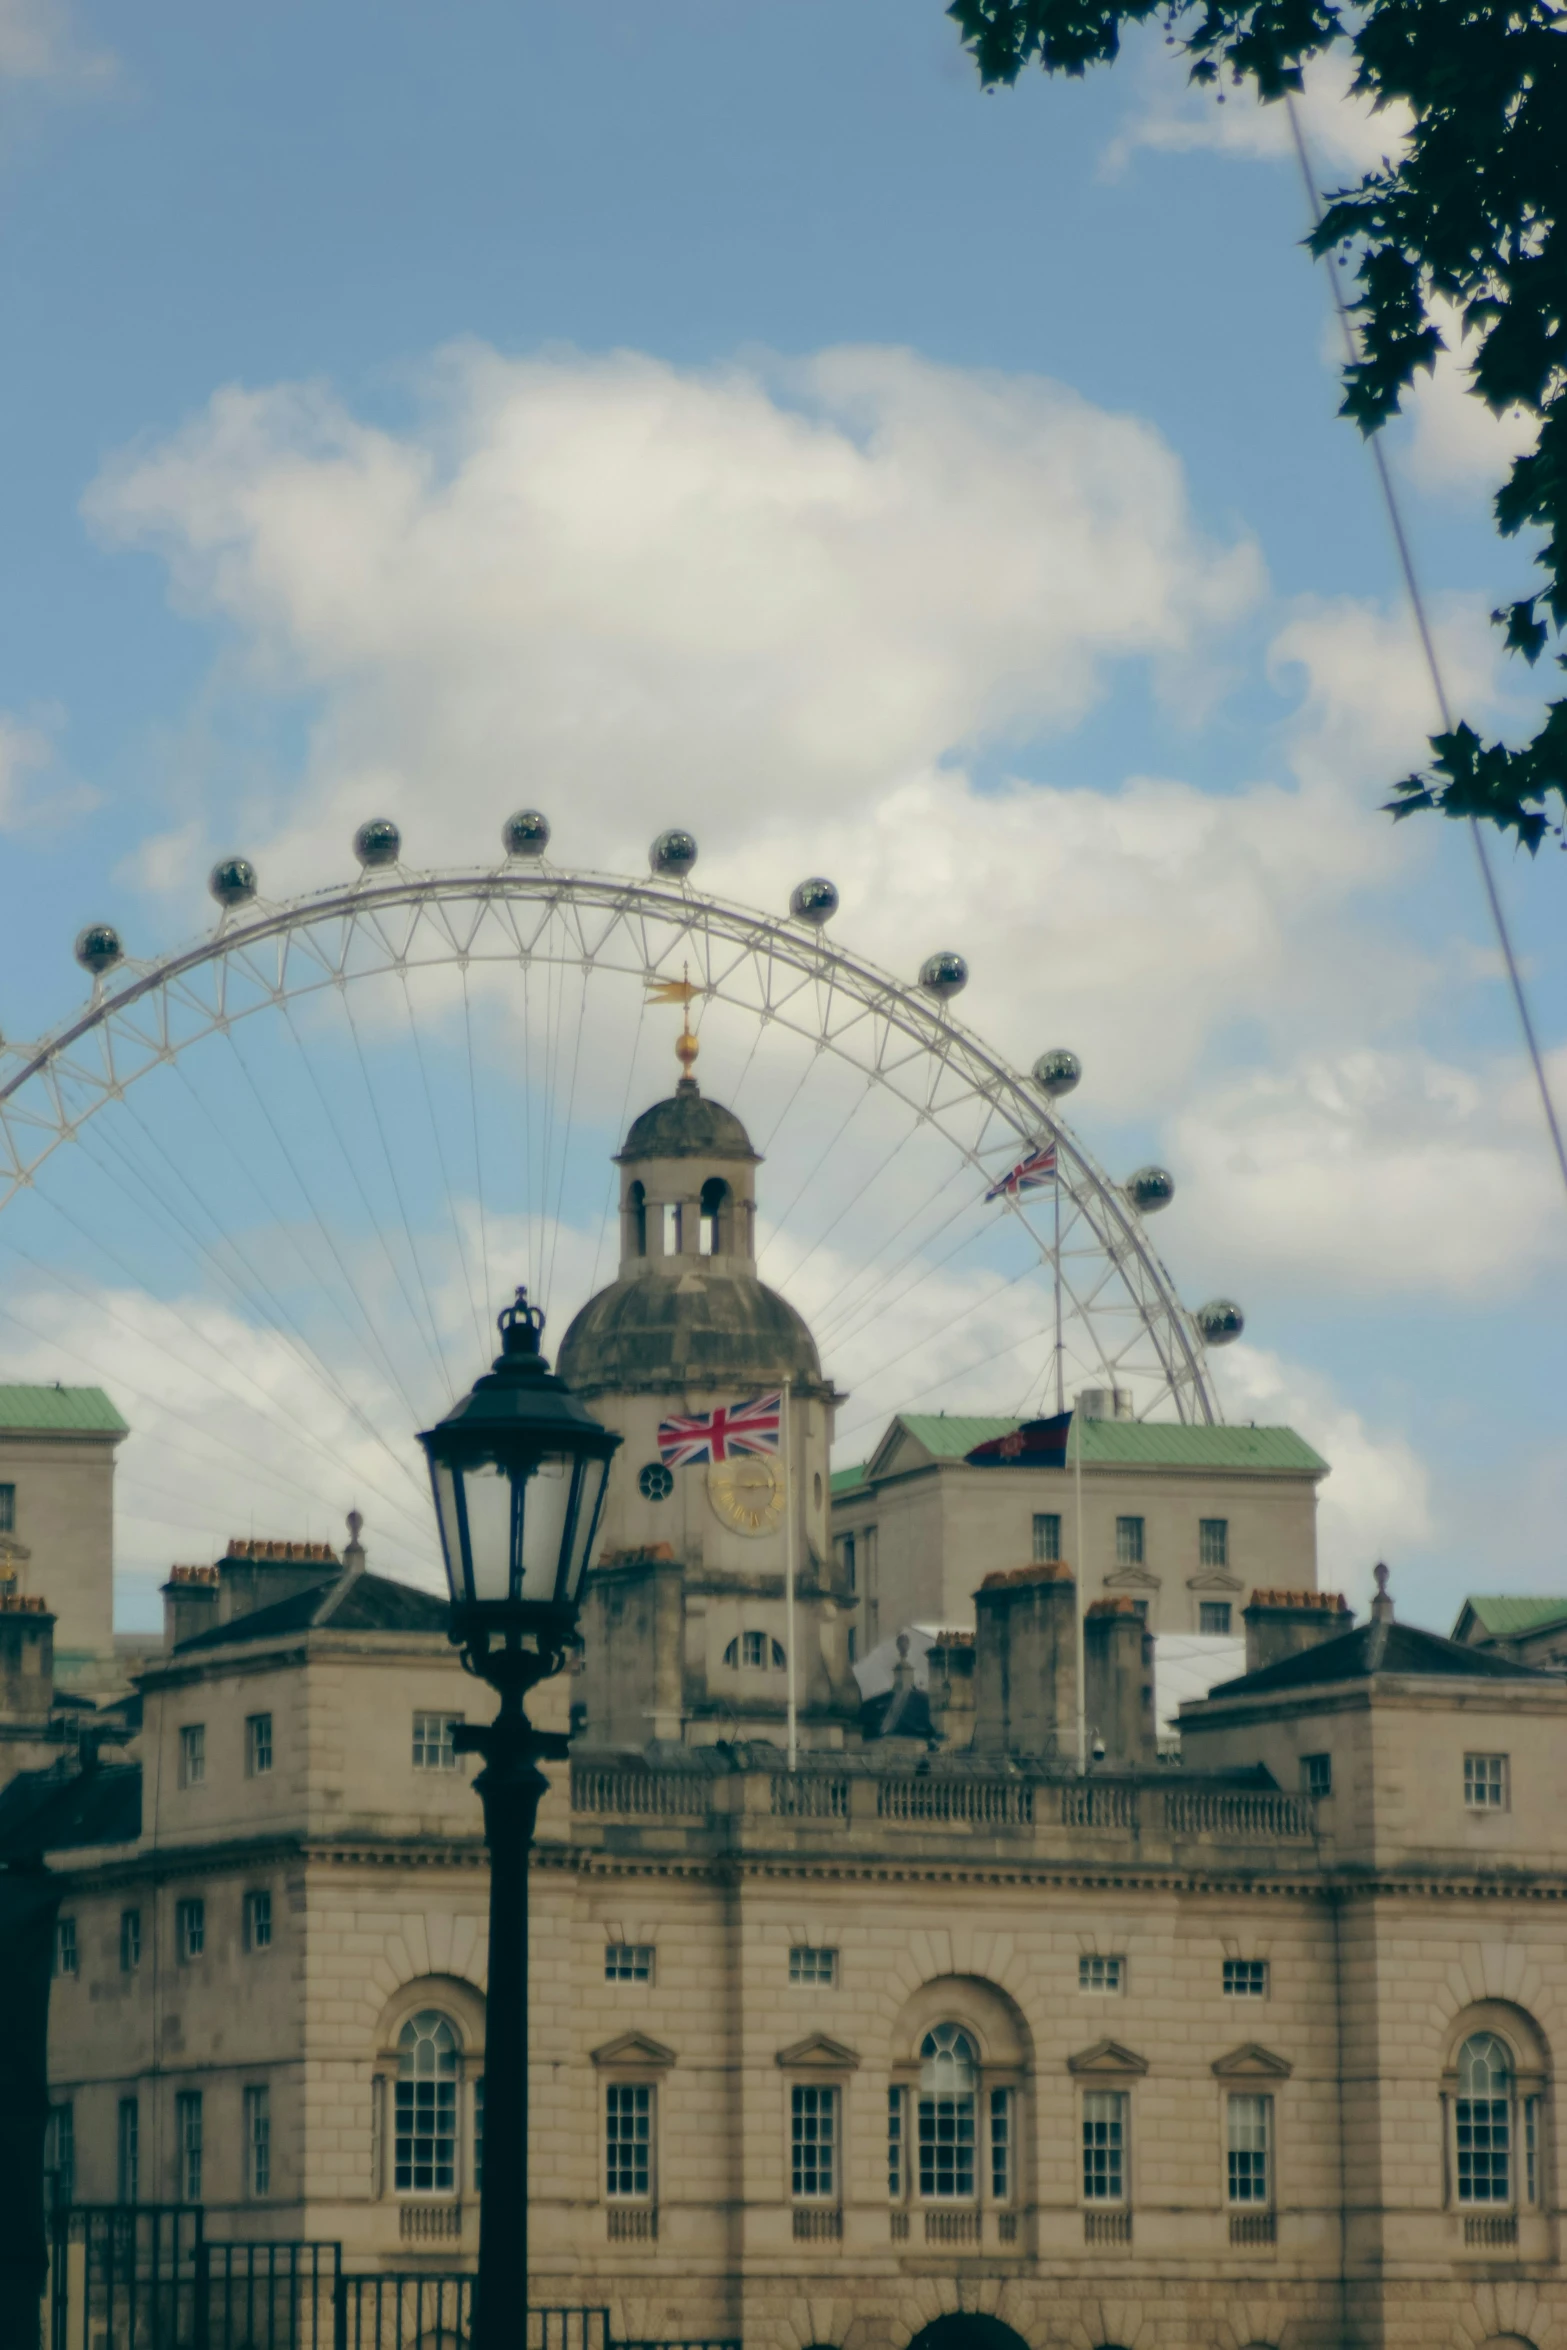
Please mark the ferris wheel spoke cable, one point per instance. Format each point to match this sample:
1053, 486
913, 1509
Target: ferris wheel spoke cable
849, 1304
446, 1179
309, 1357
612, 1187
852, 1201
160, 1409
95, 1299
356, 1179
443, 1367
806, 1181
565, 1148
387, 1360
478, 1157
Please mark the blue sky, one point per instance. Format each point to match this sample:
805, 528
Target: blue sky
727, 414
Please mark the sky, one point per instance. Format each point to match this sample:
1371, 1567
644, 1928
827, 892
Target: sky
729, 416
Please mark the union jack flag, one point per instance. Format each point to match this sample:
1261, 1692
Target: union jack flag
1030, 1174
715, 1435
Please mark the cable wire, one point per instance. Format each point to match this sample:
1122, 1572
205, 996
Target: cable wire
1428, 647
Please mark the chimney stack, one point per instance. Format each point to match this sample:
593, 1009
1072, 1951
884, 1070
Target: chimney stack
1025, 1662
1282, 1623
1118, 1675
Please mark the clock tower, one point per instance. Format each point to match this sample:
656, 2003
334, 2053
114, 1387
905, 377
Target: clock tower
686, 1621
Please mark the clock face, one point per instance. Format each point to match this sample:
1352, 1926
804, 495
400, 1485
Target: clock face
747, 1494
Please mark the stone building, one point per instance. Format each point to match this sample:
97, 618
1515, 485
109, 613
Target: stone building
1256, 2048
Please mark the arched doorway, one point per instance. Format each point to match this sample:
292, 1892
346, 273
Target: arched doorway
961, 2331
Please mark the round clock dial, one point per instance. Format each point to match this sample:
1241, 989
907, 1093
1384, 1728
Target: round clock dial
747, 1494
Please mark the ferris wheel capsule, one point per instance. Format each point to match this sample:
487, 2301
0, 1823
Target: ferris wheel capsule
1220, 1321
944, 974
1056, 1072
99, 948
527, 834
1150, 1189
673, 854
814, 901
378, 842
232, 881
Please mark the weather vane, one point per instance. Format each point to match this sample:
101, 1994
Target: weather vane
679, 991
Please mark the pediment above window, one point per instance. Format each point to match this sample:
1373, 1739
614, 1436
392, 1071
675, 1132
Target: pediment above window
634, 2048
818, 2052
1250, 2062
1214, 1579
1107, 2057
1131, 1579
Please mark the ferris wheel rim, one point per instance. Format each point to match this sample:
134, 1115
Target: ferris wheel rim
929, 1025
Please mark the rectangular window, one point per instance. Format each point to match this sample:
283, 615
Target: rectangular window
130, 1941
1482, 2129
628, 2142
753, 1648
854, 1644
434, 1749
1245, 1978
1001, 2145
1104, 2146
258, 2144
897, 2156
258, 1920
848, 1565
60, 2152
812, 1966
187, 2143
258, 1745
1047, 1538
1129, 1542
1316, 1774
946, 2131
1531, 2152
1213, 1542
190, 1929
127, 2149
7, 1509
813, 2140
628, 1962
65, 1946
424, 2145
1485, 1782
478, 2134
1100, 1974
193, 1754
1213, 1617
1250, 2150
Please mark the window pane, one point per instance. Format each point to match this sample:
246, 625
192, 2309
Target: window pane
258, 2142
1485, 1782
812, 1966
424, 2150
1104, 2146
1213, 1617
1047, 1537
128, 2150
1001, 2145
1128, 1542
628, 2140
187, 2131
895, 2145
434, 1747
1246, 1978
1482, 2119
946, 2147
1213, 1542
1250, 2130
812, 2140
1100, 1974
130, 1941
628, 1962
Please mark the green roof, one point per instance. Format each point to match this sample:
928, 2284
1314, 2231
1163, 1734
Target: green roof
1505, 1619
846, 1480
1161, 1444
85, 1411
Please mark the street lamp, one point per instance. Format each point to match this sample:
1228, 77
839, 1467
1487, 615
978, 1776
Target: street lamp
519, 1470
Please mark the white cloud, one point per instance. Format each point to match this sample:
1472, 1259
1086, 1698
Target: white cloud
1375, 1504
620, 588
1452, 441
38, 43
1344, 136
27, 753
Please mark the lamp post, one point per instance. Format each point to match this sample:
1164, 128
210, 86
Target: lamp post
519, 1470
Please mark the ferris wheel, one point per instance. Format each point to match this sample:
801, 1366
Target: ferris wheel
350, 1121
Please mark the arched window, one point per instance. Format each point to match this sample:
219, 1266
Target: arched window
948, 2077
712, 1239
424, 2158
751, 1650
1483, 2121
636, 1210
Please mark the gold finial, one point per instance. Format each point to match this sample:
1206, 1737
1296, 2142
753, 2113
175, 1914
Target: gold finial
679, 991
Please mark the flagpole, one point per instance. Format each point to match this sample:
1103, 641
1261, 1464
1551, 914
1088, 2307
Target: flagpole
1060, 1365
1082, 1691
789, 1514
